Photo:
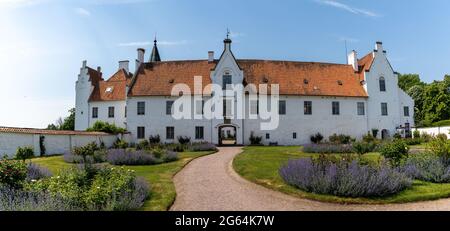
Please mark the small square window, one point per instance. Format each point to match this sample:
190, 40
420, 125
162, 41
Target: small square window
141, 108
95, 112
199, 133
267, 136
170, 133
361, 109
384, 109
169, 105
406, 111
282, 107
141, 132
307, 107
111, 112
336, 109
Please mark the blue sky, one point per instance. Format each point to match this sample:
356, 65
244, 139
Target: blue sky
43, 42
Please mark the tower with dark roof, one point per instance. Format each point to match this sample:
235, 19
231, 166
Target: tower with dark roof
154, 57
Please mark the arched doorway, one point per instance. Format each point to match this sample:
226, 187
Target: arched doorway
227, 135
385, 134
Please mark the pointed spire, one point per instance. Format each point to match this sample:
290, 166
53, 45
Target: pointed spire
228, 40
154, 57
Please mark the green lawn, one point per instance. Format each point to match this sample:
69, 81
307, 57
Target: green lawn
159, 176
260, 165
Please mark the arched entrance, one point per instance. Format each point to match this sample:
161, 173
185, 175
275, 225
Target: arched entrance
385, 134
227, 135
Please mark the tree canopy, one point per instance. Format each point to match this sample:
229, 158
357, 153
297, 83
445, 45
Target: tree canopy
432, 100
67, 123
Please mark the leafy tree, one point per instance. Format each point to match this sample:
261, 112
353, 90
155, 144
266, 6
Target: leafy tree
67, 123
101, 126
407, 81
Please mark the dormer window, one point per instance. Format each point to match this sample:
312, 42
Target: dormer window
305, 81
109, 89
226, 80
339, 82
382, 84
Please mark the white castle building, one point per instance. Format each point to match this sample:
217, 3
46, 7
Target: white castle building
351, 99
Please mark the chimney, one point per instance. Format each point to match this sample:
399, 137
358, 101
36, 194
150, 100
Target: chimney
124, 65
379, 46
140, 58
352, 59
210, 56
141, 52
84, 63
99, 69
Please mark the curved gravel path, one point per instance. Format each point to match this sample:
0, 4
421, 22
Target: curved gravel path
210, 184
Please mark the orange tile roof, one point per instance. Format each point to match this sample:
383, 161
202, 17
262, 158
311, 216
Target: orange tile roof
116, 86
48, 132
304, 78
157, 79
322, 79
365, 64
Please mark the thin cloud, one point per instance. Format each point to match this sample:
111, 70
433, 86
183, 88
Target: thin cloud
117, 2
348, 8
234, 34
18, 3
348, 39
148, 43
82, 12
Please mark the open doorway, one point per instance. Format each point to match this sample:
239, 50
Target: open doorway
227, 135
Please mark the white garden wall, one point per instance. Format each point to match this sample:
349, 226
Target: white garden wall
435, 131
55, 143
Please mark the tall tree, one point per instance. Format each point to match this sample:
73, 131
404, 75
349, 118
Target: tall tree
67, 124
407, 81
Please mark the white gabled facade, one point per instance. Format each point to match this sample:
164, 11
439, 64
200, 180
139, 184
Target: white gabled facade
357, 115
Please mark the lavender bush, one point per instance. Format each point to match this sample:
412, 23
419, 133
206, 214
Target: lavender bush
343, 178
98, 156
170, 156
36, 172
328, 148
129, 200
19, 200
202, 146
129, 157
426, 167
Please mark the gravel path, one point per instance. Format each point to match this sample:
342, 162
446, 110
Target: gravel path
210, 184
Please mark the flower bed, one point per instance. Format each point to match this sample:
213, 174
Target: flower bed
347, 179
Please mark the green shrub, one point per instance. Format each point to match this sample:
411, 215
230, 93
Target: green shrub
42, 145
416, 134
24, 153
426, 137
340, 139
12, 172
255, 140
101, 126
142, 145
395, 151
443, 123
317, 138
155, 140
184, 139
362, 148
369, 138
442, 136
413, 141
120, 144
107, 189
440, 147
158, 152
397, 136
